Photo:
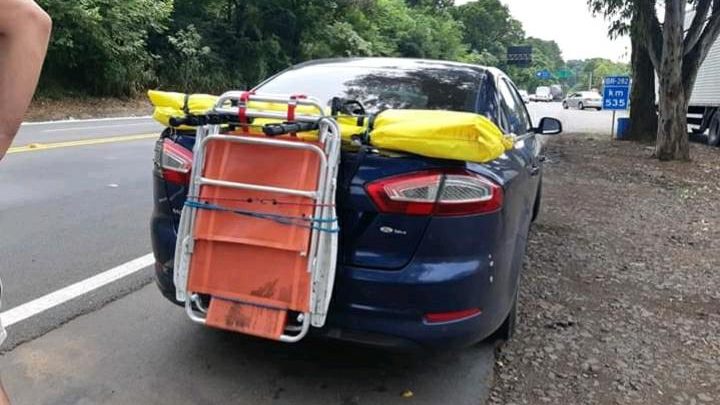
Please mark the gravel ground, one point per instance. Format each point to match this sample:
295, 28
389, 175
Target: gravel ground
620, 298
45, 109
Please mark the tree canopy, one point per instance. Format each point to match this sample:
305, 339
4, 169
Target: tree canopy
121, 47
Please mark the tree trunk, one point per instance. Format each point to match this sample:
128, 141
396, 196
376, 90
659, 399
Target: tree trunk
672, 136
643, 114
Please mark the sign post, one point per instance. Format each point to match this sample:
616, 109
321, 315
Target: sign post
616, 96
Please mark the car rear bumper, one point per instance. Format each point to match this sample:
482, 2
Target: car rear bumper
593, 103
394, 304
387, 309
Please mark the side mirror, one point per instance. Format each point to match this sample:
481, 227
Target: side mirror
549, 126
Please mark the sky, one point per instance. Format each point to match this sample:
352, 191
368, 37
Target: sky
571, 25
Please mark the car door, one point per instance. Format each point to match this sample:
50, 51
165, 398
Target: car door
578, 99
521, 172
572, 100
527, 148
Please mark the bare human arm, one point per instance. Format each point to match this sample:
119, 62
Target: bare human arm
4, 400
24, 36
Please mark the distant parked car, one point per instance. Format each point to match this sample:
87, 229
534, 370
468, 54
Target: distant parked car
525, 96
544, 94
584, 99
557, 92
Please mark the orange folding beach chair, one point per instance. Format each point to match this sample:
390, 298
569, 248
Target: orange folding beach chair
258, 239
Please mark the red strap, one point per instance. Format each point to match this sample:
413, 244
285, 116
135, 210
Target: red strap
242, 110
292, 106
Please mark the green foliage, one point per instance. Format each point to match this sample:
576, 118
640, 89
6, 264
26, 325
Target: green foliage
595, 69
617, 12
397, 29
121, 47
432, 4
101, 46
601, 68
489, 27
483, 58
188, 58
546, 56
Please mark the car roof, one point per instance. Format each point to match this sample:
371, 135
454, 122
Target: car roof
394, 63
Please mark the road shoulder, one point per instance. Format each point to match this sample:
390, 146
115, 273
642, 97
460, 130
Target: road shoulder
620, 293
142, 349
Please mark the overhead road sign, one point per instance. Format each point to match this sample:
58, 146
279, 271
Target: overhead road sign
544, 74
520, 56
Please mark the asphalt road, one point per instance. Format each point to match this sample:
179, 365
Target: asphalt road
69, 213
576, 121
140, 350
85, 129
73, 212
75, 202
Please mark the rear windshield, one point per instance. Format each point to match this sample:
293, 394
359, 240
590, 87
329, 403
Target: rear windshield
429, 88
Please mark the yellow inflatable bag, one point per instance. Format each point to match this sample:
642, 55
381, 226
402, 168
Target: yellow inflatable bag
440, 134
432, 133
169, 105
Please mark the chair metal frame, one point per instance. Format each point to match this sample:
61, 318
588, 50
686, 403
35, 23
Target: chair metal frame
322, 253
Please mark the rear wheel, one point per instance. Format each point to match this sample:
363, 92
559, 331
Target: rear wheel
714, 131
538, 203
565, 105
581, 106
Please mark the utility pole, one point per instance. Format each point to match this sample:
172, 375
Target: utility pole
590, 82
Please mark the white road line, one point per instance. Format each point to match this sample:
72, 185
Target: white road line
94, 127
59, 297
31, 124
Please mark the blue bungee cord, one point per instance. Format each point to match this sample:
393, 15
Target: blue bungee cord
303, 222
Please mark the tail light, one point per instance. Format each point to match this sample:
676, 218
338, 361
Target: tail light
444, 317
175, 161
436, 192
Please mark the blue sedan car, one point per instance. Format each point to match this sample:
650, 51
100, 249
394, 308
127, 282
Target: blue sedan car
419, 266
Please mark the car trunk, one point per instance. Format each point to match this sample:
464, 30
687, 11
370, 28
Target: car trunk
368, 238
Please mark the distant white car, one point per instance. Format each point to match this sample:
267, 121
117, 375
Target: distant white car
544, 94
525, 96
583, 99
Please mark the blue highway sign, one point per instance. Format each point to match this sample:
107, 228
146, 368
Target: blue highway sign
544, 74
616, 93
